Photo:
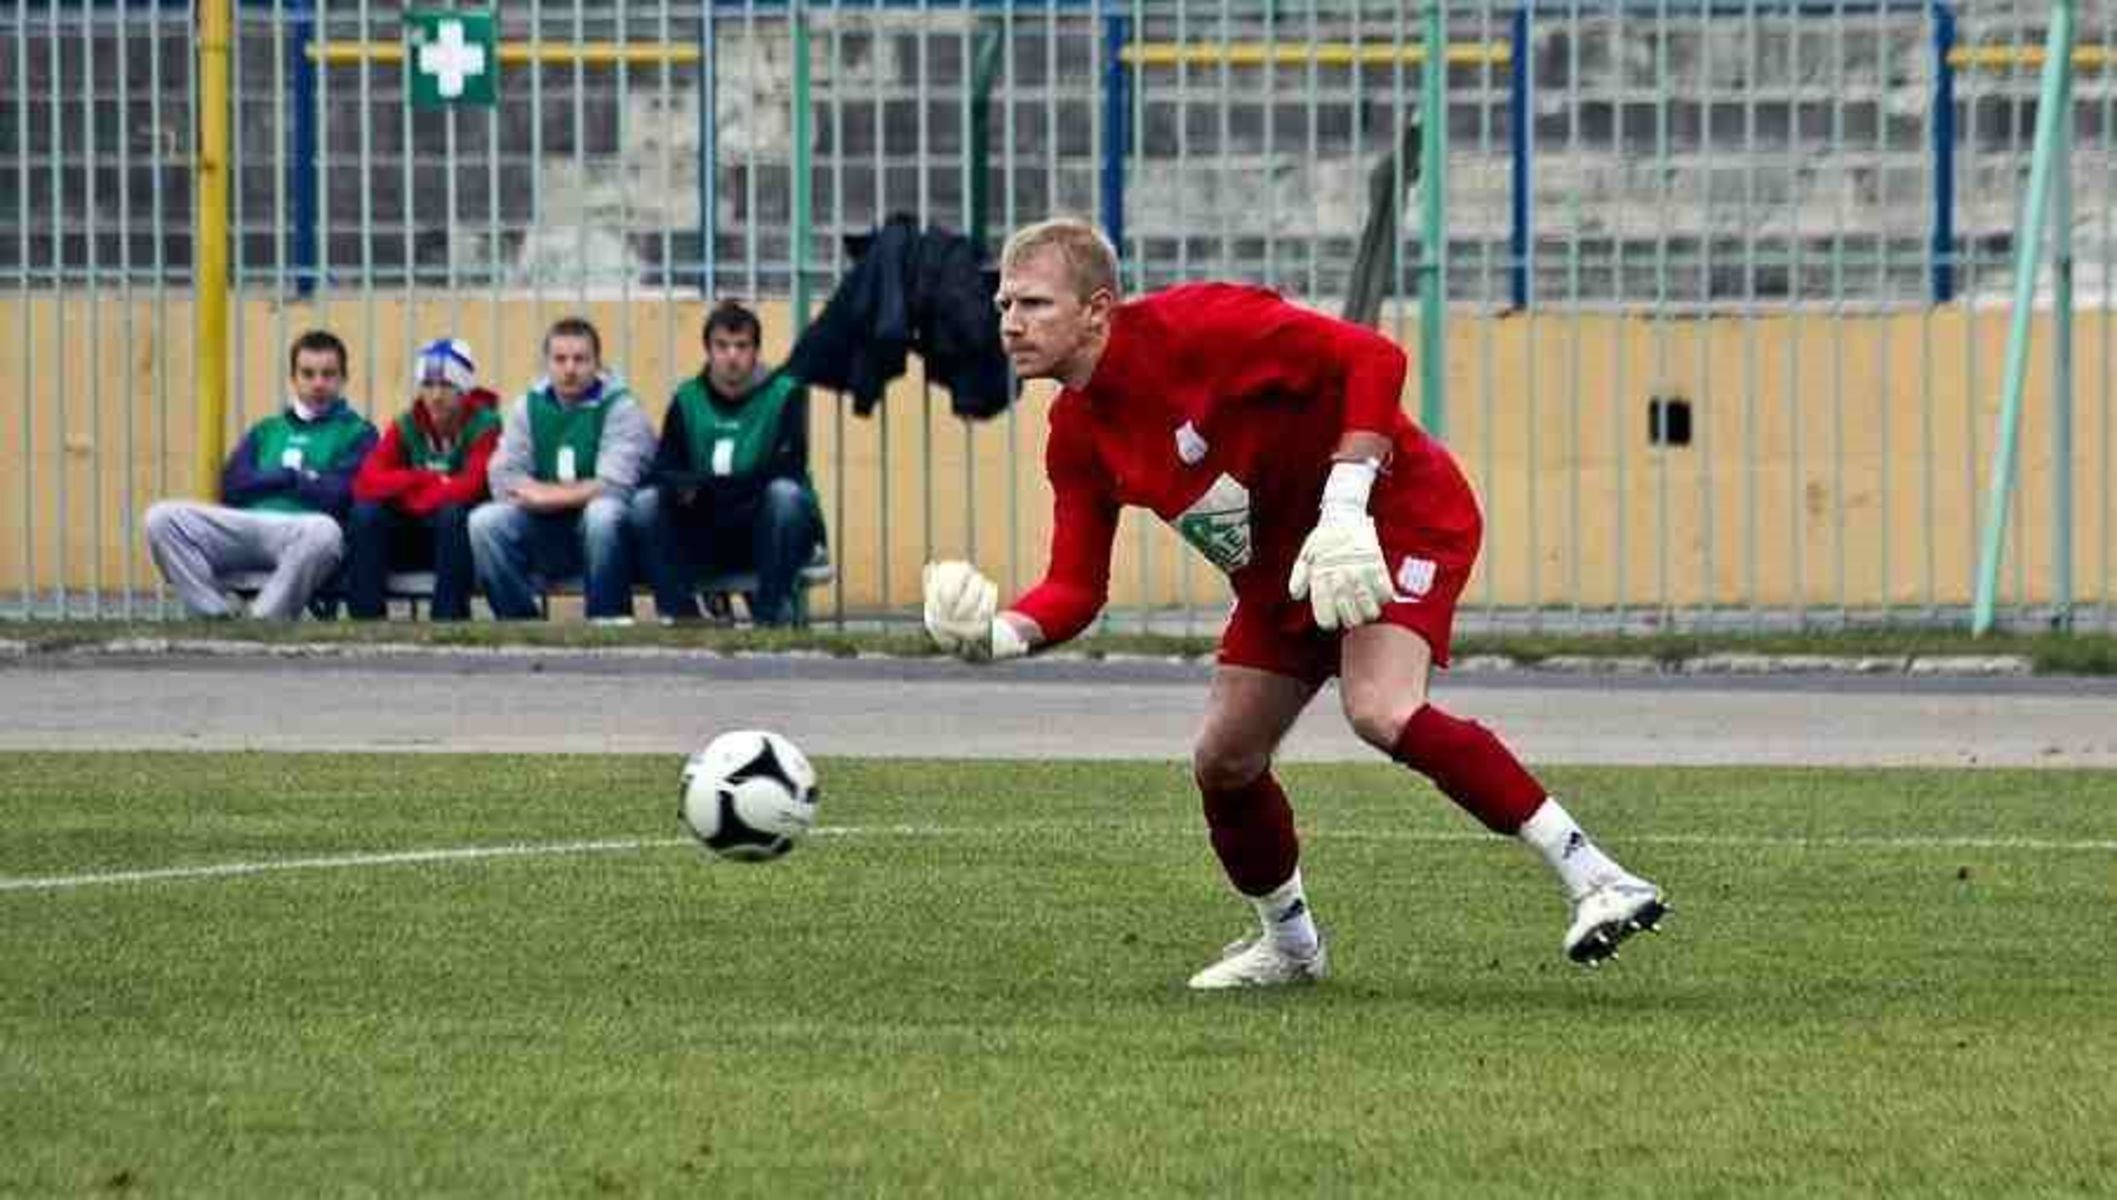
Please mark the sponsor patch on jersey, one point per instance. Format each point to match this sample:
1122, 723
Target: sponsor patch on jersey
1218, 523
1414, 579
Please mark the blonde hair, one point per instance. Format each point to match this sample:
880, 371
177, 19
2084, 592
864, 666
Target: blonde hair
1088, 255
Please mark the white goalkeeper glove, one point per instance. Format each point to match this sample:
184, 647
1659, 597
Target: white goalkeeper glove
962, 614
1340, 566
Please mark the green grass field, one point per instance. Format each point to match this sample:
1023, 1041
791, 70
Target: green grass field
1875, 982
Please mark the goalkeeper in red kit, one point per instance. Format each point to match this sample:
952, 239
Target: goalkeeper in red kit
1272, 439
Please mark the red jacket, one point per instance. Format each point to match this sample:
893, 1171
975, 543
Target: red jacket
385, 476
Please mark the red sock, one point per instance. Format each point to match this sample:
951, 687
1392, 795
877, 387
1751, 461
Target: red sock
1253, 833
1467, 762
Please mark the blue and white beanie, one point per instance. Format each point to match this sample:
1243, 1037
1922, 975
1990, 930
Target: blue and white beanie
445, 360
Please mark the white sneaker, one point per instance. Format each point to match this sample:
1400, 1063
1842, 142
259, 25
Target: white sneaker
1611, 913
1256, 962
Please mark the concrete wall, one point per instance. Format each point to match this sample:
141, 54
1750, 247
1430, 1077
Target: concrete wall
1658, 133
1834, 459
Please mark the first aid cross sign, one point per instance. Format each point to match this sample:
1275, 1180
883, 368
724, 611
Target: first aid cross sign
450, 57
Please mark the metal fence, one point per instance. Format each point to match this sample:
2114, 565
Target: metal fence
1722, 277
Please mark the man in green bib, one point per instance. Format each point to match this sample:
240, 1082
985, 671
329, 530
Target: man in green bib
284, 492
731, 486
571, 452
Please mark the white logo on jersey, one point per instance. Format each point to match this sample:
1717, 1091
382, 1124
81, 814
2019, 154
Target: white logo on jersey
1190, 448
1218, 523
1415, 578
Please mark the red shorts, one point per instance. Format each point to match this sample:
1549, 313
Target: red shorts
1429, 527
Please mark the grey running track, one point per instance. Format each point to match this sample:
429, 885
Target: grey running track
525, 702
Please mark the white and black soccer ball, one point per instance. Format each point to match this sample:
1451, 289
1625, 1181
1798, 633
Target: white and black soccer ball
749, 795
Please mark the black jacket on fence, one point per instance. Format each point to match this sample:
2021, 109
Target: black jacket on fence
910, 290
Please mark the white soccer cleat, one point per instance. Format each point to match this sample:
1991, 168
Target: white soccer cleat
1256, 962
1609, 914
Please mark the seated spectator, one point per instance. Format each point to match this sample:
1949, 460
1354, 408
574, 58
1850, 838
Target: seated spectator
731, 486
283, 492
571, 452
413, 496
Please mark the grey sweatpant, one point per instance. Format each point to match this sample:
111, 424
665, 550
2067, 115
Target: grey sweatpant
195, 544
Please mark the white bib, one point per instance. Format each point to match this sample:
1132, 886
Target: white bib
1218, 523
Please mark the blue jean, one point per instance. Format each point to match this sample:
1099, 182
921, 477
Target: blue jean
773, 532
514, 547
381, 536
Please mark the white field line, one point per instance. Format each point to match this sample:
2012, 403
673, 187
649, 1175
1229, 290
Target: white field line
334, 862
454, 854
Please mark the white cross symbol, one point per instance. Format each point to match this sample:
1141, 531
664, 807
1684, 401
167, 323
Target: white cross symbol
450, 60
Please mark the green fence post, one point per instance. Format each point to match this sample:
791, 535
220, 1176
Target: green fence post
983, 75
2051, 96
798, 240
1433, 224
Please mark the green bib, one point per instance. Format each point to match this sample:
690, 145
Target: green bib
567, 435
733, 442
421, 452
311, 446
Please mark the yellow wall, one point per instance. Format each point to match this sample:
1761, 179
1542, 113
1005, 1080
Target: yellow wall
1829, 453
1819, 441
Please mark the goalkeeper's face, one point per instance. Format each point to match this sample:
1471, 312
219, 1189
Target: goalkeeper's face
1049, 329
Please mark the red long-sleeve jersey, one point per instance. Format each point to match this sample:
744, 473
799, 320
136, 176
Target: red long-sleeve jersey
387, 476
1218, 407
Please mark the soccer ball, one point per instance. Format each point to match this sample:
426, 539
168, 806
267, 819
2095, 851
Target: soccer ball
749, 795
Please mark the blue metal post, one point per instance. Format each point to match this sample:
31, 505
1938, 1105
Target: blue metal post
1117, 109
1518, 117
1943, 126
2062, 363
301, 155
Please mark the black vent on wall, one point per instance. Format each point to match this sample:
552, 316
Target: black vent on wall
1668, 421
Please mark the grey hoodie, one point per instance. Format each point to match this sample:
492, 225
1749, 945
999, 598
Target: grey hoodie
621, 460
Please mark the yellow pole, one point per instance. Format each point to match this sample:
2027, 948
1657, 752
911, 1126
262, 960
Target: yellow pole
209, 267
589, 54
1295, 54
2000, 58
